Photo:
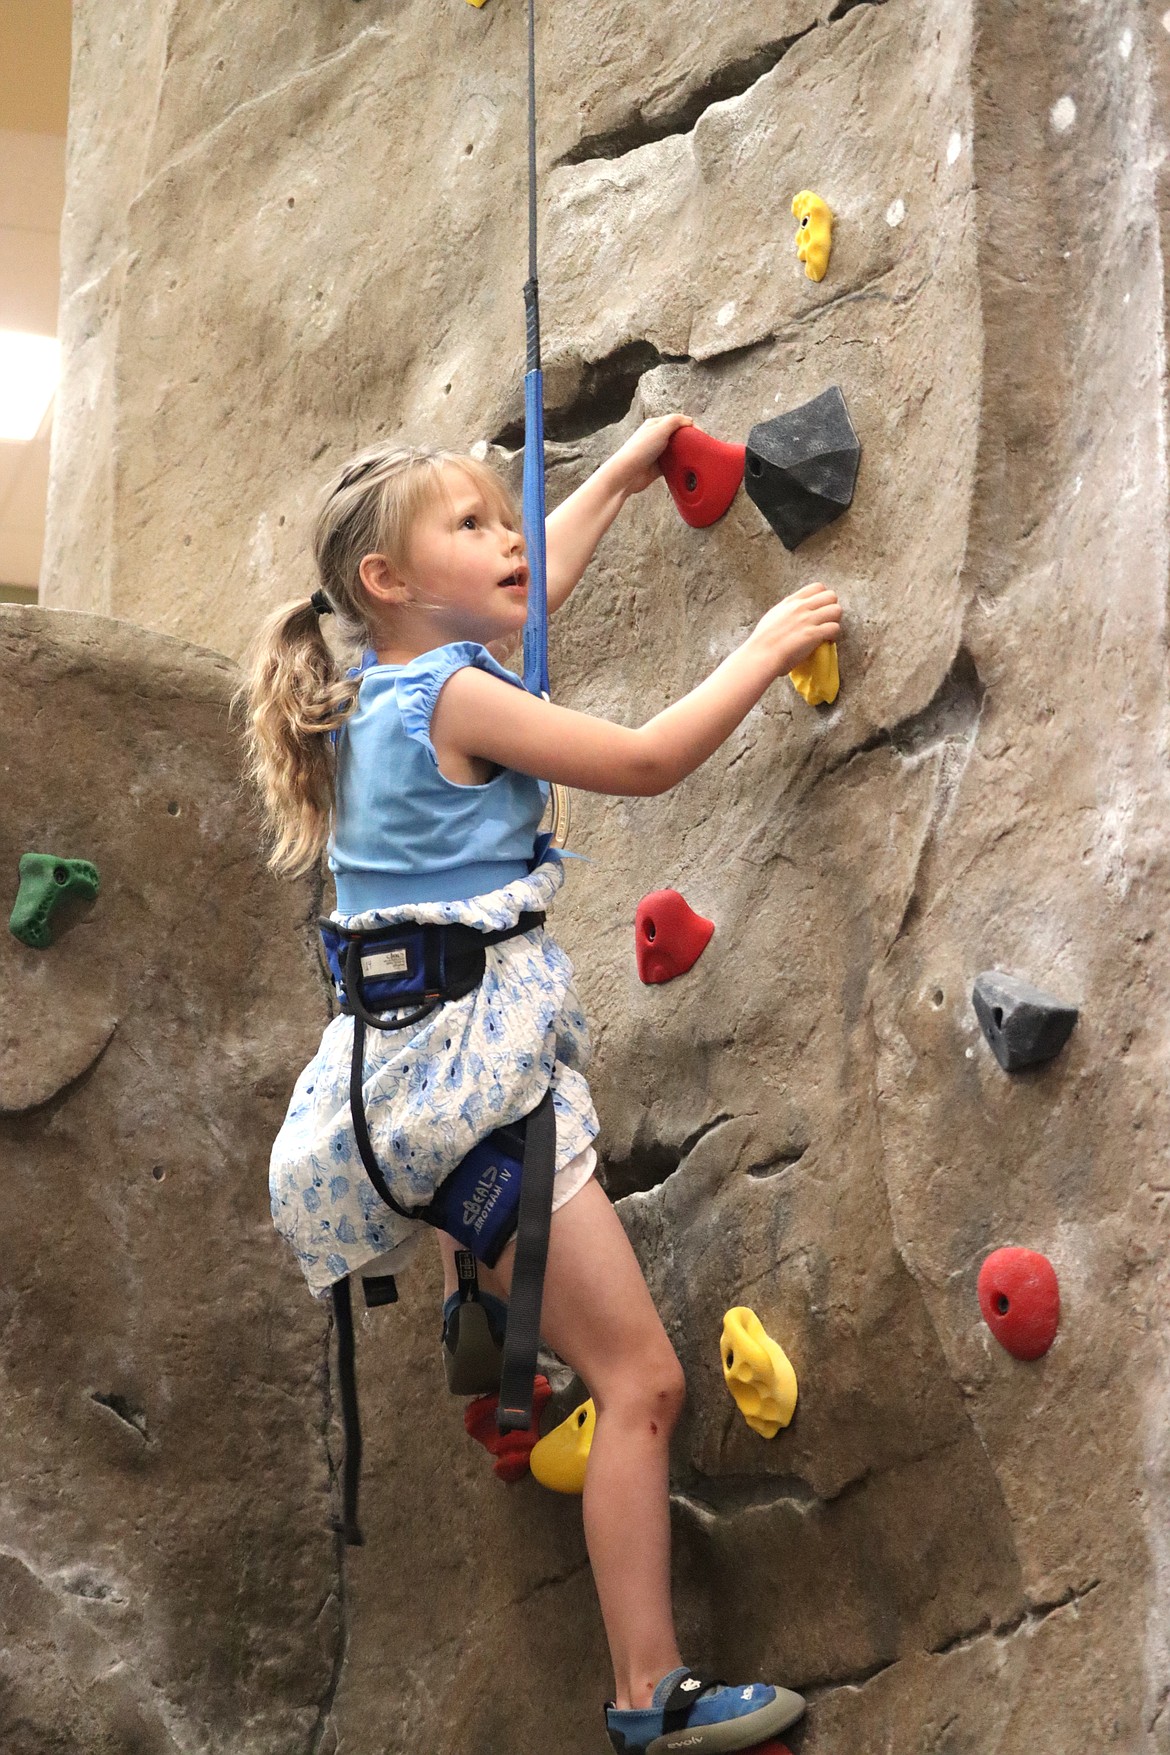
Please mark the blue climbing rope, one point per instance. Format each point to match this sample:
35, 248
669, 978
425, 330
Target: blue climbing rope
536, 626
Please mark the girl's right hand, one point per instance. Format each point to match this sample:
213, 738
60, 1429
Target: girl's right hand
638, 462
794, 629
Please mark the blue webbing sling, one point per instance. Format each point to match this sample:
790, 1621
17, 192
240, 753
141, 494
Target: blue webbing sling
536, 626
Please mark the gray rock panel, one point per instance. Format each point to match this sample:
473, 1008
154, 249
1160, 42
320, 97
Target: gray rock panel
170, 1571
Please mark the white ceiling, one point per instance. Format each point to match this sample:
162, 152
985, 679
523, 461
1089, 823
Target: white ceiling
32, 195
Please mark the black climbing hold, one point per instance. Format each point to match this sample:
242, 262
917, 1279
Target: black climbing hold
802, 466
1023, 1025
44, 881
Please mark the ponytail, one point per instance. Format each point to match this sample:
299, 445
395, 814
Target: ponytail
294, 696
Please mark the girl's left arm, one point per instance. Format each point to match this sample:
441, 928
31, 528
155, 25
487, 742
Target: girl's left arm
574, 530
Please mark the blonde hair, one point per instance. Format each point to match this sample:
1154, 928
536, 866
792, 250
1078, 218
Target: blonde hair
295, 691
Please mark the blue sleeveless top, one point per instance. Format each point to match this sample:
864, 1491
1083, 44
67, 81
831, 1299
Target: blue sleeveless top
403, 832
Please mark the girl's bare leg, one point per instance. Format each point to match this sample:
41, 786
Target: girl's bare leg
489, 1278
599, 1316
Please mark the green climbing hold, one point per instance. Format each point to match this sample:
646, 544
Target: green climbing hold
43, 882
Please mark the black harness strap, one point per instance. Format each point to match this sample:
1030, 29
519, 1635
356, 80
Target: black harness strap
351, 1423
522, 1335
361, 1130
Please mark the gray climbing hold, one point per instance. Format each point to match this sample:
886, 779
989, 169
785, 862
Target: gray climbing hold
1023, 1025
801, 467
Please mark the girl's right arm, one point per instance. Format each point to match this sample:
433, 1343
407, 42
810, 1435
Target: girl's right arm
479, 715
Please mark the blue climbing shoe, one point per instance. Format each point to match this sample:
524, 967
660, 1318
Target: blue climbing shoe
703, 1717
473, 1343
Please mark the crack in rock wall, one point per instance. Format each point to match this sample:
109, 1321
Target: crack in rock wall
290, 228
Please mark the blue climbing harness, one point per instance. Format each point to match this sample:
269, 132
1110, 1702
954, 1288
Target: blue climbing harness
391, 978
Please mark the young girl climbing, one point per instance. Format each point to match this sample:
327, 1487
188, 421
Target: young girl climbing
425, 771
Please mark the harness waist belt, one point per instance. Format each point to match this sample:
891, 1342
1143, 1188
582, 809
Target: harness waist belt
392, 968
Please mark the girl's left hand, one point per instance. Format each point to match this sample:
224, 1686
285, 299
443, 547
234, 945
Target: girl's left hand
636, 462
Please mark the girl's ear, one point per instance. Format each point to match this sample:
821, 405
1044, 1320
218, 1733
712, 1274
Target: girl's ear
381, 580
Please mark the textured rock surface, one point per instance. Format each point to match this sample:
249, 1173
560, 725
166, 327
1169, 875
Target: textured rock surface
167, 1575
291, 227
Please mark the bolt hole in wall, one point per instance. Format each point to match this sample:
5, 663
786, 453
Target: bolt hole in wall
34, 97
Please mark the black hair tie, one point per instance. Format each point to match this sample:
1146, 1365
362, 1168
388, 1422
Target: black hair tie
320, 603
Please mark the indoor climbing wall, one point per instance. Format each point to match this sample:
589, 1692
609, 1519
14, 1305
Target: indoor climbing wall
293, 228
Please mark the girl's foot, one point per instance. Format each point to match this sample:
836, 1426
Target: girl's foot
690, 1713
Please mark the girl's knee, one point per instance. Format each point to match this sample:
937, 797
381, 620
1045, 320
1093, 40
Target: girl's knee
646, 1387
671, 1391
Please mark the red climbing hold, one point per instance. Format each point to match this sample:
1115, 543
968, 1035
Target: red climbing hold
702, 473
1020, 1300
669, 937
511, 1450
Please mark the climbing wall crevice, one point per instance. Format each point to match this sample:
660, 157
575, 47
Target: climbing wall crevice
35, 1088
653, 1159
607, 389
587, 397
1028, 1618
548, 1581
872, 290
775, 1163
643, 125
946, 733
736, 1495
640, 128
844, 7
950, 717
132, 1417
602, 395
818, 1691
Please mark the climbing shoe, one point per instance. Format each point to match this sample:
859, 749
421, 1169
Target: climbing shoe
704, 1717
473, 1343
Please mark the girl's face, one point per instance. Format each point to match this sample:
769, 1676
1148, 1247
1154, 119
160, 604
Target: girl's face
466, 569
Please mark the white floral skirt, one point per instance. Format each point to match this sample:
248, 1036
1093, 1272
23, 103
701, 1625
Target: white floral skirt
434, 1091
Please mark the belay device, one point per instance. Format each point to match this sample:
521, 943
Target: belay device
393, 977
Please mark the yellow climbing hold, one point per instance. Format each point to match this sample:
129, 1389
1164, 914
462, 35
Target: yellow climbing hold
558, 1459
756, 1372
815, 237
818, 678
476, 2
